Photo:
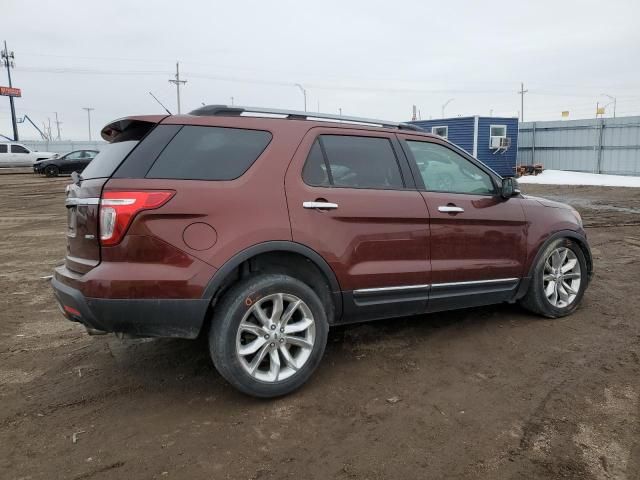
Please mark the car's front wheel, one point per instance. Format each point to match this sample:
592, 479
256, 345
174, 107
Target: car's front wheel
51, 171
268, 335
559, 280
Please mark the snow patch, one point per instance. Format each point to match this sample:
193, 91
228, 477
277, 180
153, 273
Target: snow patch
559, 177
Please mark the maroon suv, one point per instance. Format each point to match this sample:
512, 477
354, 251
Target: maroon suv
262, 228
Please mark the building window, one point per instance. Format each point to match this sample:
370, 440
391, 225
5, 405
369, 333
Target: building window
498, 131
442, 131
498, 137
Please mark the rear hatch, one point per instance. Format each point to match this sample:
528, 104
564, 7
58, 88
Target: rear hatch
83, 195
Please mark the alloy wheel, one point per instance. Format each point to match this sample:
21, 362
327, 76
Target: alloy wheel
275, 337
561, 277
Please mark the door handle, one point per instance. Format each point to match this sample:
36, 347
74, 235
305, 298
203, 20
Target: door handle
450, 209
320, 205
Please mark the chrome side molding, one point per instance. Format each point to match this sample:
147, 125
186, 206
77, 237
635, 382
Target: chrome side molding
364, 291
72, 202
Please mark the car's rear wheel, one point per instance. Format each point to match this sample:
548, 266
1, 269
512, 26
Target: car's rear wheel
268, 335
51, 171
559, 280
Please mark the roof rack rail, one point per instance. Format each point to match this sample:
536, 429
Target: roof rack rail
232, 110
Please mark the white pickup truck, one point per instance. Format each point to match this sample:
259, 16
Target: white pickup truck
17, 155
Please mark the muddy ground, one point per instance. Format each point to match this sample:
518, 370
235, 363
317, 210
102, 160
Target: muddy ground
489, 393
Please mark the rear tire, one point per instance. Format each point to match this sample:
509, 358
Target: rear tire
268, 335
51, 171
559, 280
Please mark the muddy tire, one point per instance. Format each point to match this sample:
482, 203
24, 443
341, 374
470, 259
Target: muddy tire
268, 335
559, 280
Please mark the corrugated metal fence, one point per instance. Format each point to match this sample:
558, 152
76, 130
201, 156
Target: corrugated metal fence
62, 146
603, 145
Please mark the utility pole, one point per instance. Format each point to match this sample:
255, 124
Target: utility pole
445, 105
58, 123
340, 111
522, 92
304, 93
177, 82
88, 109
232, 101
8, 60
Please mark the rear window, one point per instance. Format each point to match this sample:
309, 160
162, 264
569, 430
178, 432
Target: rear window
111, 155
210, 153
108, 159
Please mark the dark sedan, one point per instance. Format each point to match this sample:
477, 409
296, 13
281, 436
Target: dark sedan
75, 161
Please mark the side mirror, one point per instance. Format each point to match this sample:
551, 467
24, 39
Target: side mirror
509, 188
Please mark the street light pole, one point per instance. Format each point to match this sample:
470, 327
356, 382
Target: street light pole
88, 109
304, 93
614, 102
444, 105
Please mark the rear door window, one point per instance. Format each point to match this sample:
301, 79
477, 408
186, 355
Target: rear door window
352, 161
3, 149
210, 153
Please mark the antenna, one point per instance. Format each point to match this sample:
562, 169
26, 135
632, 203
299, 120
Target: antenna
166, 109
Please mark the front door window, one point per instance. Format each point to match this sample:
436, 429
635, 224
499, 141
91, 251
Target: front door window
444, 170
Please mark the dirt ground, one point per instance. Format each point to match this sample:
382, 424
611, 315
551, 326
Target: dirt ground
490, 393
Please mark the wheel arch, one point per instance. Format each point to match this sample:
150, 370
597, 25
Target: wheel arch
579, 238
265, 255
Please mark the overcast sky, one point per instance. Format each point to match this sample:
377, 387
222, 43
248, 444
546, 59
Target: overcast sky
370, 58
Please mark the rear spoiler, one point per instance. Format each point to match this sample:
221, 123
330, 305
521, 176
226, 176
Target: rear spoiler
113, 131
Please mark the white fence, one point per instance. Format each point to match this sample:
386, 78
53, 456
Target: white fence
62, 146
603, 145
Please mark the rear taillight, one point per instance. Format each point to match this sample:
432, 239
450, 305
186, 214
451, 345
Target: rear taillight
117, 209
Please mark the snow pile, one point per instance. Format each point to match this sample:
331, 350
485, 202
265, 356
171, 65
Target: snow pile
559, 177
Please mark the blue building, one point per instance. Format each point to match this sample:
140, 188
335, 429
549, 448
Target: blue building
492, 140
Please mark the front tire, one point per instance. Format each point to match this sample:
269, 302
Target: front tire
559, 280
51, 171
268, 335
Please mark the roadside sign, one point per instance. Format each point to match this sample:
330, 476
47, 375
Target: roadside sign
10, 92
600, 111
565, 113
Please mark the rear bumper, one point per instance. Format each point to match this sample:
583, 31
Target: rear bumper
178, 318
